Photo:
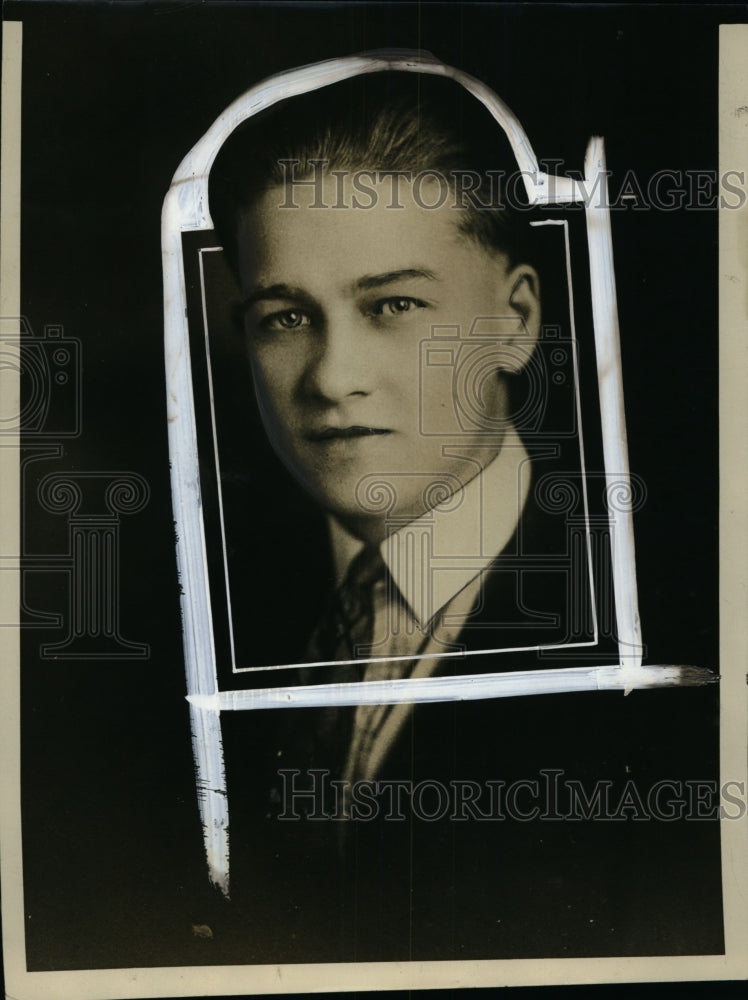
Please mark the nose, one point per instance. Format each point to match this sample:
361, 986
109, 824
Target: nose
340, 364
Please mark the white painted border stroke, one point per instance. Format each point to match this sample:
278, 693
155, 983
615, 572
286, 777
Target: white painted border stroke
186, 209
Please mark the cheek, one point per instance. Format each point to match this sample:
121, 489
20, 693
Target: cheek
407, 358
272, 376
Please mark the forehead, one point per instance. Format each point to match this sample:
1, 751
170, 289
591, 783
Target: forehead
352, 224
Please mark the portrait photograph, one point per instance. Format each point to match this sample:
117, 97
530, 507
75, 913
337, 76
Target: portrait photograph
374, 546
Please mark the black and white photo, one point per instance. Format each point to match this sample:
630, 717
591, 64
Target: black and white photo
377, 538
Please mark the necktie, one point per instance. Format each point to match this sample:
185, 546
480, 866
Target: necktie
346, 630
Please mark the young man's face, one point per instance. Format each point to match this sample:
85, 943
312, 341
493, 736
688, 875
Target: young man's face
340, 303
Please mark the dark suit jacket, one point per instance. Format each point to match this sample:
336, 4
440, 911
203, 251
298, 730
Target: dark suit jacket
460, 886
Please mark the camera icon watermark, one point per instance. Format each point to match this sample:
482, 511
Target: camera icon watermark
464, 368
40, 408
47, 370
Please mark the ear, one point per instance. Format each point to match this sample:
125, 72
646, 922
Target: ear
524, 301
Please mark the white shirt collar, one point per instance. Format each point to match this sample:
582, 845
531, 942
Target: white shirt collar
434, 557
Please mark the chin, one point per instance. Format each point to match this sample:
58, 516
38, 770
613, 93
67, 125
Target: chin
332, 502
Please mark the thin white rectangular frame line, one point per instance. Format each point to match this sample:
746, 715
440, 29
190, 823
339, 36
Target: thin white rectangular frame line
458, 655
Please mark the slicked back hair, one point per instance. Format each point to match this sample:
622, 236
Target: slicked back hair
384, 122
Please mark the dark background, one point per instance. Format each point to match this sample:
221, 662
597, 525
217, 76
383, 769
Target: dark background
113, 96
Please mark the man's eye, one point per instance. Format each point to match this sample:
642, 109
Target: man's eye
397, 306
289, 319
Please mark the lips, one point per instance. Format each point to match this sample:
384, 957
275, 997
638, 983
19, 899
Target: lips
345, 433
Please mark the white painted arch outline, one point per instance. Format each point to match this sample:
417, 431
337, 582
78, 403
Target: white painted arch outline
186, 209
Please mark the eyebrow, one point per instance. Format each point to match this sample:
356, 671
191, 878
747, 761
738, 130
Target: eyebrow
269, 292
378, 280
264, 293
